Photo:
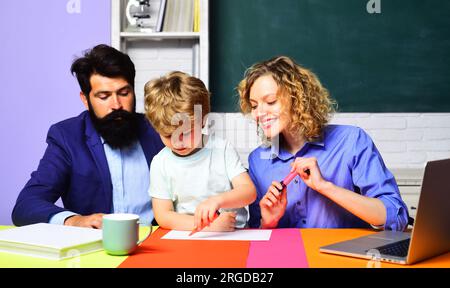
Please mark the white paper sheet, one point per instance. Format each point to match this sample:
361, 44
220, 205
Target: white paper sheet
237, 235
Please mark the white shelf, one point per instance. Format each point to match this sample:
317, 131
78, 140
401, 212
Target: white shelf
156, 53
160, 35
122, 37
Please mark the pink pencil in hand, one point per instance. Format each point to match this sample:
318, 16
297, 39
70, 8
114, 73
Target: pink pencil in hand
289, 178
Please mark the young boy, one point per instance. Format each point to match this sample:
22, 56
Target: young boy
197, 181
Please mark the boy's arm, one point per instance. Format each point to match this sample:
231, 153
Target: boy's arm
242, 194
169, 219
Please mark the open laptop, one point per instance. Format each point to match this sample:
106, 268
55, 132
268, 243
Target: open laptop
431, 232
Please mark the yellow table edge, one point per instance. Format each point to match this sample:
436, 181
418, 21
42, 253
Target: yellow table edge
97, 259
313, 239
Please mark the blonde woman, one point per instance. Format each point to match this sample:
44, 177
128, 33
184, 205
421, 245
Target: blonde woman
342, 180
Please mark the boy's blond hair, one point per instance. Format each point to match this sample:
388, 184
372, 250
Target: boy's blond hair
173, 93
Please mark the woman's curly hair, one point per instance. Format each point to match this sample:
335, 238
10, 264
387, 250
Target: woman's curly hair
310, 104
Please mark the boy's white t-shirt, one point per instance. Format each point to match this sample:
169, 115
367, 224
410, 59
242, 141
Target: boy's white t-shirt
188, 181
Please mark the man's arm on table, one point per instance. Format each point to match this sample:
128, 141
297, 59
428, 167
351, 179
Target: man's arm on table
35, 203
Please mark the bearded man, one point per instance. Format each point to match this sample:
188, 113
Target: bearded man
98, 162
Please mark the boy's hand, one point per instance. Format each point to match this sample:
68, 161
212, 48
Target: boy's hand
225, 222
206, 212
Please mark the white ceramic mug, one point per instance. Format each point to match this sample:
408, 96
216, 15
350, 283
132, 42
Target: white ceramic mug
121, 233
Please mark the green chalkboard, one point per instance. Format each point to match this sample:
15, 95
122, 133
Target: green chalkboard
394, 61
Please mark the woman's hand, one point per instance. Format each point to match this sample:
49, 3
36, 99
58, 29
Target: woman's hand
273, 205
309, 172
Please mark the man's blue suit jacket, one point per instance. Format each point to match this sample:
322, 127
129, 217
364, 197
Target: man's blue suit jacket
74, 167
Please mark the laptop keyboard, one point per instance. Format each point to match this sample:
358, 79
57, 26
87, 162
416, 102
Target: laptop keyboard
399, 249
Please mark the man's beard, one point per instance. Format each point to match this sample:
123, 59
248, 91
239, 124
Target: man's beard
119, 128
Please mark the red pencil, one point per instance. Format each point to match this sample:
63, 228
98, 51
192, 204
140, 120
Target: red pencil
196, 230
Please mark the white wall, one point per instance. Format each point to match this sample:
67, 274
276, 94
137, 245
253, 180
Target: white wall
405, 140
155, 58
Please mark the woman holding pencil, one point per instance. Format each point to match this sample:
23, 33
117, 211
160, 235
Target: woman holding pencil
336, 176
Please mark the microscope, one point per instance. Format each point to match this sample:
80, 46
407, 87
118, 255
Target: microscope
138, 14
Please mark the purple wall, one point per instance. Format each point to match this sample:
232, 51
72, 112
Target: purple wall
39, 40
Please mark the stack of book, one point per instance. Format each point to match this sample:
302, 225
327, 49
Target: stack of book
49, 241
178, 16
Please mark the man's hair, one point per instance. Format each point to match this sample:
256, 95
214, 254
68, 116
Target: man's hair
174, 93
105, 61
